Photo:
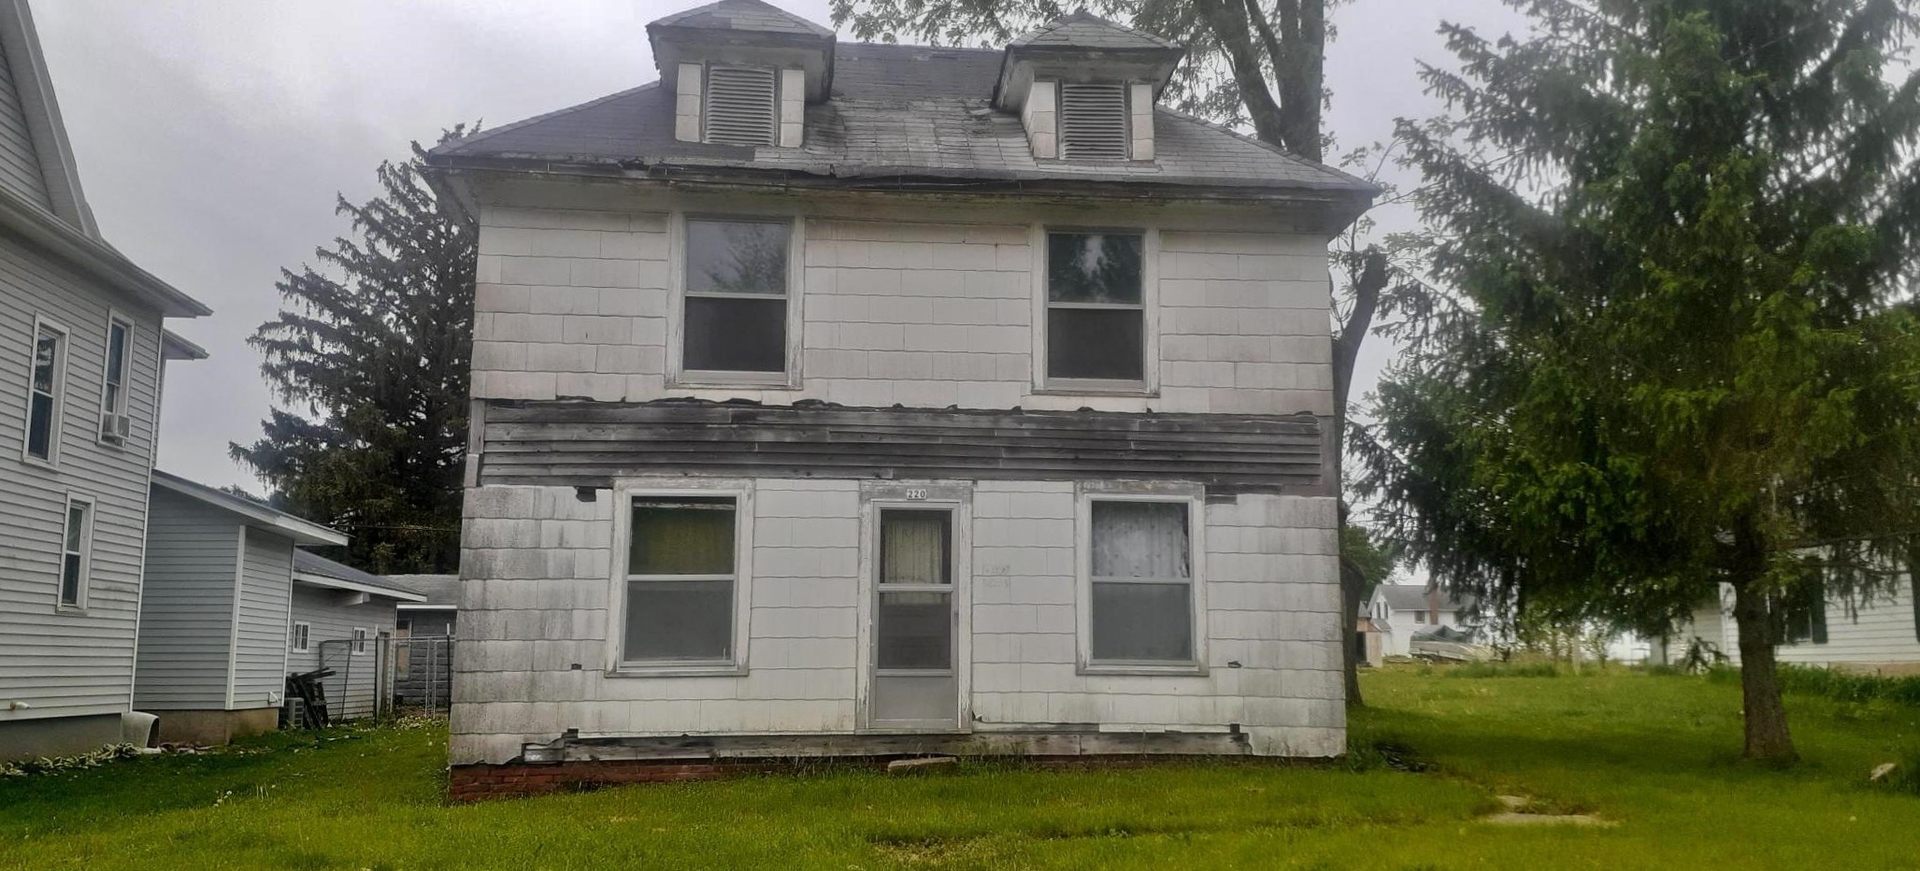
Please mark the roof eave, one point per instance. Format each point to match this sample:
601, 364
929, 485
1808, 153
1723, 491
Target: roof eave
333, 583
301, 531
95, 257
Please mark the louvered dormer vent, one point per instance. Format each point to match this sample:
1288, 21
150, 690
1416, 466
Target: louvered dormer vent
740, 107
1093, 121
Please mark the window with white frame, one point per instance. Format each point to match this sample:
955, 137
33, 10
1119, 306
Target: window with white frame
359, 640
113, 393
680, 580
1141, 573
46, 378
736, 302
76, 561
298, 638
1096, 308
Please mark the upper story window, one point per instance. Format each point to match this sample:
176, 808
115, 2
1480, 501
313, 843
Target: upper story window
1093, 121
114, 425
741, 107
736, 305
1096, 309
46, 379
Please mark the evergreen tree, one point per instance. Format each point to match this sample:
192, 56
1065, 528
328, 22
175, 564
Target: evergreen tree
1683, 351
372, 355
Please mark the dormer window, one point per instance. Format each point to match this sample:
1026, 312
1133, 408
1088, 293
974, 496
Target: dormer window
741, 106
1093, 121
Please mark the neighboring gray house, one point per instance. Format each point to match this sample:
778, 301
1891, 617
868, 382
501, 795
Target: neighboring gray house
343, 619
82, 345
214, 610
859, 399
1879, 636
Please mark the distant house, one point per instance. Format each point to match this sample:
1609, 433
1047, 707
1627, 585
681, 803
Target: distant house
343, 619
867, 396
1881, 635
231, 605
82, 346
1401, 613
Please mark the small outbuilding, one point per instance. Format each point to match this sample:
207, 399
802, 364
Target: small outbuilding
230, 605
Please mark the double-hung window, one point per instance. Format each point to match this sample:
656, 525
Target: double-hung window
1141, 576
1096, 310
46, 378
736, 300
301, 635
359, 640
76, 560
113, 393
680, 581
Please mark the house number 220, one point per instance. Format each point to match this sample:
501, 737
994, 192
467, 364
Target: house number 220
916, 494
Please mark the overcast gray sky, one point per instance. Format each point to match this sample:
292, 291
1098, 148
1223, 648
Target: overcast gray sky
212, 135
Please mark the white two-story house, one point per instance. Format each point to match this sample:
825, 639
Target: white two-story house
857, 400
82, 345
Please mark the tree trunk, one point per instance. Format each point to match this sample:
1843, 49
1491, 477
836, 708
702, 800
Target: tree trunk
1768, 738
1346, 354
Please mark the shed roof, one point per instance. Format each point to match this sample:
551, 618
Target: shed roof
315, 570
442, 591
896, 112
252, 512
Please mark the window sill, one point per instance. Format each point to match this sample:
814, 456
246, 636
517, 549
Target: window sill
52, 465
734, 381
70, 610
692, 670
1096, 388
1178, 669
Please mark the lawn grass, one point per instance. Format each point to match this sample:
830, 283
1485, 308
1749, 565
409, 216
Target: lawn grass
1653, 753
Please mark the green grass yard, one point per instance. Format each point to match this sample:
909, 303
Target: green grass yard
1654, 754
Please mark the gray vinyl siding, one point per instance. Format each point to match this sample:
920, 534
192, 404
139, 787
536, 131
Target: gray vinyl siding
186, 614
350, 692
260, 658
19, 163
70, 663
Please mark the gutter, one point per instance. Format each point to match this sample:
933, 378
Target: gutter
95, 257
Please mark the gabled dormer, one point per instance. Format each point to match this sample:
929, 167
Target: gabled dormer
1085, 88
742, 72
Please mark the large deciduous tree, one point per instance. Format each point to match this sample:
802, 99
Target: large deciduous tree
1685, 353
372, 354
1260, 63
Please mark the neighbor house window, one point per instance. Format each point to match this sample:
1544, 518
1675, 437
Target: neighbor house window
113, 394
736, 297
45, 381
359, 640
301, 633
681, 575
1096, 308
1141, 568
1804, 612
1419, 616
75, 559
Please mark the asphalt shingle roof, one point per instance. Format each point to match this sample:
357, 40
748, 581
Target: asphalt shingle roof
897, 111
1413, 597
743, 15
306, 563
1083, 29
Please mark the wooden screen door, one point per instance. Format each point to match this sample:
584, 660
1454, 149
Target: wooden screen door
915, 684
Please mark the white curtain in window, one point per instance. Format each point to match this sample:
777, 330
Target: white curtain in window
914, 546
1140, 540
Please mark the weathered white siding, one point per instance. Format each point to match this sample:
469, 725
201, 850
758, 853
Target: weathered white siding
20, 170
922, 311
186, 607
260, 633
534, 624
69, 663
350, 692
